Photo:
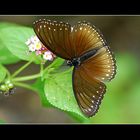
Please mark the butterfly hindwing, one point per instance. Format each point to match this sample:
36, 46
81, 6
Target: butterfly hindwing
102, 65
89, 78
88, 91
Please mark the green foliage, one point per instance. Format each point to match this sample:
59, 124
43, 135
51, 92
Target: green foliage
58, 91
53, 67
6, 57
14, 37
2, 73
55, 90
39, 87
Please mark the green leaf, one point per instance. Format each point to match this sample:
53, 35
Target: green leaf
53, 67
57, 62
58, 91
14, 38
2, 73
39, 87
6, 57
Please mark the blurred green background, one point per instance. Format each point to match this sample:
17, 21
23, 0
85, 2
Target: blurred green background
121, 103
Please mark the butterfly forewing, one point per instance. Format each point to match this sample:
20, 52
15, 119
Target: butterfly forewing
86, 37
55, 36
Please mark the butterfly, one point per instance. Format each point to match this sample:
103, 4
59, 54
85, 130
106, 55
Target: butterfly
84, 47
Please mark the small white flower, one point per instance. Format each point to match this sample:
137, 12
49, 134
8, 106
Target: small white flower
32, 47
33, 43
38, 46
34, 39
48, 56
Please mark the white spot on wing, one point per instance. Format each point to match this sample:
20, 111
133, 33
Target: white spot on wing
107, 75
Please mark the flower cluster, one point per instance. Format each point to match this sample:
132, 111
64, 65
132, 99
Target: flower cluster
35, 45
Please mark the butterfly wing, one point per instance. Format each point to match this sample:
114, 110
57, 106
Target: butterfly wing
86, 37
55, 36
102, 64
89, 78
66, 41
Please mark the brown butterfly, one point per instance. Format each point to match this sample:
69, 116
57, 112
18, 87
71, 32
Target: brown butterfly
84, 47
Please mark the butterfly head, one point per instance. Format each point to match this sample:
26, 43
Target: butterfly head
74, 62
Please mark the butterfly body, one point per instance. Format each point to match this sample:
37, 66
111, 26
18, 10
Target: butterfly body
74, 62
83, 47
77, 61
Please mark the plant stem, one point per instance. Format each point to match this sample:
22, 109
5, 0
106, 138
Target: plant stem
26, 78
22, 68
8, 73
41, 69
24, 86
46, 69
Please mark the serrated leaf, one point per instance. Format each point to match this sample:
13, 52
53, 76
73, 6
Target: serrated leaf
6, 57
14, 38
58, 91
2, 73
